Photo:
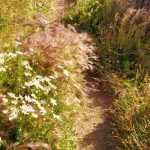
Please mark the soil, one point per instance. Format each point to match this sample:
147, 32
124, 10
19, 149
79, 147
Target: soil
92, 127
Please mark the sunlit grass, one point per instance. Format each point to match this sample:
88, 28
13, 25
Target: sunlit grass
14, 14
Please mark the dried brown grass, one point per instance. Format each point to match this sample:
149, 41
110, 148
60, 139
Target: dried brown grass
48, 44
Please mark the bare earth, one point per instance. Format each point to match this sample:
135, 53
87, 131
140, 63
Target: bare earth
92, 126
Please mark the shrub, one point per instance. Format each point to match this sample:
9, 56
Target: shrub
131, 120
121, 32
90, 14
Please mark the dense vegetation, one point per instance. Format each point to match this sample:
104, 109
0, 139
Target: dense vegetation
121, 30
38, 99
36, 102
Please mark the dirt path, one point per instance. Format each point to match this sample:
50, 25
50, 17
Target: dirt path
92, 127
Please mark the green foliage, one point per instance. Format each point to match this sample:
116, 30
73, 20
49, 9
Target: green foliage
121, 33
90, 14
33, 103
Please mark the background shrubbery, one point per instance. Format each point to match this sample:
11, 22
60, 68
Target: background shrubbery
121, 31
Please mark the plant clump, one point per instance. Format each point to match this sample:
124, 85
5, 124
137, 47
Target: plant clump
32, 104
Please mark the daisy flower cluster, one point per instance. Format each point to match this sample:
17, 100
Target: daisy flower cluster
34, 101
28, 93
